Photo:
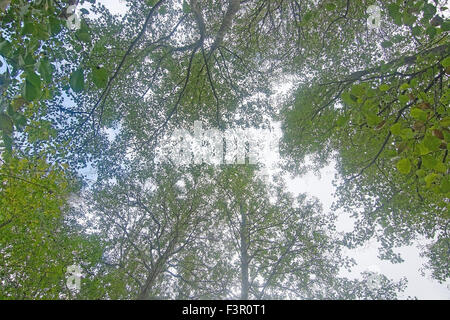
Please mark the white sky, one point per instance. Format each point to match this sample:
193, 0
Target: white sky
366, 257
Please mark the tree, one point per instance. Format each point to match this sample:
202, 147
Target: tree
281, 247
36, 244
148, 219
386, 124
110, 94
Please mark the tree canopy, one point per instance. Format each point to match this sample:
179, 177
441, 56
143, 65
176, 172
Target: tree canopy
367, 90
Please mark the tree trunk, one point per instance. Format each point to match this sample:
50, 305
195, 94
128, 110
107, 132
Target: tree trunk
244, 255
158, 268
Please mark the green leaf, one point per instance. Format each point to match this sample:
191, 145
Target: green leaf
445, 122
445, 185
373, 119
416, 31
403, 98
446, 62
408, 19
30, 92
7, 142
307, 16
346, 97
186, 7
17, 103
29, 60
83, 33
407, 134
394, 12
341, 121
431, 31
429, 179
34, 79
42, 32
445, 26
84, 36
32, 86
163, 10
393, 9
45, 69
9, 110
422, 149
358, 90
28, 28
5, 48
429, 162
6, 124
432, 142
387, 44
100, 77
396, 129
330, 6
384, 87
440, 167
420, 173
77, 80
20, 120
419, 114
55, 25
447, 136
429, 11
404, 86
404, 166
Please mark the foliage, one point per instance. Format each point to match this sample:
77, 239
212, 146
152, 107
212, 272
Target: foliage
386, 124
108, 95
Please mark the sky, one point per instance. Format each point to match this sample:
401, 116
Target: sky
366, 256
422, 287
